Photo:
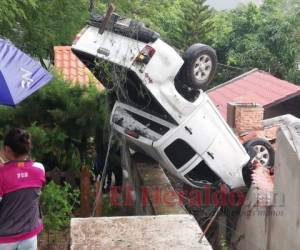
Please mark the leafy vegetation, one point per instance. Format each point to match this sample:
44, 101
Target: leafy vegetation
12, 12
262, 37
179, 22
63, 120
250, 36
66, 121
57, 204
36, 26
195, 24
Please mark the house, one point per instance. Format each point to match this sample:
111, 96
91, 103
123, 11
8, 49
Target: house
276, 96
72, 69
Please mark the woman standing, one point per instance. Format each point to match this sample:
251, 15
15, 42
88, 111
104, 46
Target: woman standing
21, 181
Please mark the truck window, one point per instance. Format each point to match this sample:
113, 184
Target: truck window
179, 153
202, 173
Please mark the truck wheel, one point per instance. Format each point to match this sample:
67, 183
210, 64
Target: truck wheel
199, 68
264, 152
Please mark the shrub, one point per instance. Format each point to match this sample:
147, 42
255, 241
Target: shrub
57, 204
63, 119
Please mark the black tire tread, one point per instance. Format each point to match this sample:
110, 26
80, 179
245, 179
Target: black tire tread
192, 53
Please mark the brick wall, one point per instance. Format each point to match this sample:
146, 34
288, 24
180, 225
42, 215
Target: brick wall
246, 120
244, 117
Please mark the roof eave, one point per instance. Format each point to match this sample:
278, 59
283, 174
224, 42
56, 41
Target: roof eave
288, 97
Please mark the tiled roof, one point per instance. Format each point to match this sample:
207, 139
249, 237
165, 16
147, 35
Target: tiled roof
255, 86
72, 68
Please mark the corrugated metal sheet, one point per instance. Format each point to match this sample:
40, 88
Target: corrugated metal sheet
255, 86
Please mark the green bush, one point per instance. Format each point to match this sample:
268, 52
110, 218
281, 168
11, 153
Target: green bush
63, 119
57, 203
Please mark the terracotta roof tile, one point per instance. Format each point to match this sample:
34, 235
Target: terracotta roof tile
255, 86
72, 68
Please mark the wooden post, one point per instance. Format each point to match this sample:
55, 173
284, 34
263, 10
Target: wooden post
99, 201
85, 210
107, 18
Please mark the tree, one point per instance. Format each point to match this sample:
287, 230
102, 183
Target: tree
195, 23
12, 12
257, 37
62, 120
180, 22
162, 16
35, 26
290, 5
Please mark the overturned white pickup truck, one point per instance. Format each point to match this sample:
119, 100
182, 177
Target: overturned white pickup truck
161, 108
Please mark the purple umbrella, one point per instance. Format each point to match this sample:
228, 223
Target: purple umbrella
20, 75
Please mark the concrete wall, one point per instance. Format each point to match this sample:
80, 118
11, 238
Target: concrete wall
149, 187
276, 226
251, 229
284, 230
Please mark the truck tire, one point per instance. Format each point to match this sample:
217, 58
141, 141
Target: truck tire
199, 68
264, 152
253, 147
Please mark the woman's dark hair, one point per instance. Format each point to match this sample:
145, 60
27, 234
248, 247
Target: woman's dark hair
18, 140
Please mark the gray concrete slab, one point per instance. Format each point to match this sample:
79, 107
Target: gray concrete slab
284, 227
174, 232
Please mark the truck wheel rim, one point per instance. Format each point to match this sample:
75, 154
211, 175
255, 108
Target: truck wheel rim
203, 67
262, 155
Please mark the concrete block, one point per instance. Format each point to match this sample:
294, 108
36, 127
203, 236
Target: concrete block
284, 229
174, 232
